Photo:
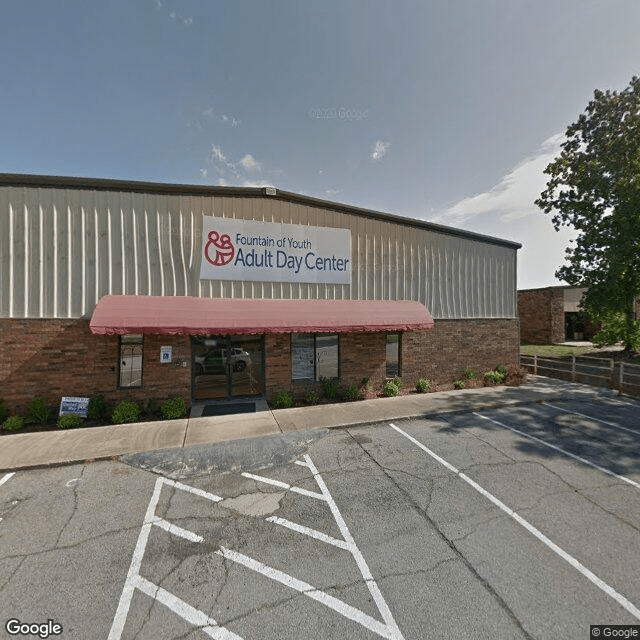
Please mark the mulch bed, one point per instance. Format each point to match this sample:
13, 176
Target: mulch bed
52, 426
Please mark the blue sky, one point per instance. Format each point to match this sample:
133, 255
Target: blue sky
445, 111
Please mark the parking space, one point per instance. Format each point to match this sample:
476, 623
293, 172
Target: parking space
518, 523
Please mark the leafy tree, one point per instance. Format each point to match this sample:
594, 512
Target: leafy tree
594, 186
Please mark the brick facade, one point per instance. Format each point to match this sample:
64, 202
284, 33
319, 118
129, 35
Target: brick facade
444, 352
56, 358
541, 313
440, 354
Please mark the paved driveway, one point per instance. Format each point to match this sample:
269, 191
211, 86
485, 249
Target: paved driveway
518, 523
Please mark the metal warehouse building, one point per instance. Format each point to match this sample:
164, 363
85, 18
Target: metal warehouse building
143, 290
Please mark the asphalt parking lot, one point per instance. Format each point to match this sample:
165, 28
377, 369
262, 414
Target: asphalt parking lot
507, 523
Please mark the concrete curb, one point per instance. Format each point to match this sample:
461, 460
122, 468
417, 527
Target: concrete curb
112, 442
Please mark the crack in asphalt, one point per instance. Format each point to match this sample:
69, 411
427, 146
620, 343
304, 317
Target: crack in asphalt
71, 546
269, 606
451, 544
571, 488
75, 504
147, 617
13, 573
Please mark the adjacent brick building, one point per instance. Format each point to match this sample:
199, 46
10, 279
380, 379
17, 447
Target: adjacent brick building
552, 315
72, 250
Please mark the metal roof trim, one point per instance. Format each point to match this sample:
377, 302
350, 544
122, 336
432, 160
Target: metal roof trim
109, 184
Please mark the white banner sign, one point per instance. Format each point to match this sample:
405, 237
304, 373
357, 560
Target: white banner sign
274, 252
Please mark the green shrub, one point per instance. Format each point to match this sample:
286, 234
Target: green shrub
126, 411
282, 400
13, 423
97, 408
502, 370
37, 411
153, 408
398, 382
366, 385
494, 376
330, 388
459, 384
173, 409
352, 392
311, 397
469, 374
70, 421
423, 385
390, 389
3, 412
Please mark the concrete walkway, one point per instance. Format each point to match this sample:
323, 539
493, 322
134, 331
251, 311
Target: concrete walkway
51, 448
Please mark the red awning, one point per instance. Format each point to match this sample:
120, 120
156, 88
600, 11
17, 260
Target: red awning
203, 316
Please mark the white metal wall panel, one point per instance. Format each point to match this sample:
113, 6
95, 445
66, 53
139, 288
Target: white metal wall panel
61, 250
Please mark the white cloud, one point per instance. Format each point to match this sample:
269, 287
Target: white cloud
173, 15
380, 149
514, 195
248, 162
333, 192
218, 154
507, 210
254, 183
230, 172
210, 113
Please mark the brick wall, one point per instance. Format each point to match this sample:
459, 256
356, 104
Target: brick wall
440, 354
541, 313
277, 362
363, 355
56, 358
444, 352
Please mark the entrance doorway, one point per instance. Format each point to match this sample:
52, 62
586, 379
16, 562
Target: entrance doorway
225, 367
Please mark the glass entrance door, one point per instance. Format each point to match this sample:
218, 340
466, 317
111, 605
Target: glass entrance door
227, 366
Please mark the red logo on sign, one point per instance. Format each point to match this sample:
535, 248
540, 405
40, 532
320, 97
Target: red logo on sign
224, 249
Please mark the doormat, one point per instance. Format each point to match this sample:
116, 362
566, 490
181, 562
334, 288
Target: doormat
226, 409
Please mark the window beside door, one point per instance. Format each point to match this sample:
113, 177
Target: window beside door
393, 355
130, 363
314, 356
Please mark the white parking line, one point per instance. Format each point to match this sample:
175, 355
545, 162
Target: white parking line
566, 453
609, 424
307, 531
610, 591
311, 592
185, 610
135, 581
6, 477
284, 485
387, 628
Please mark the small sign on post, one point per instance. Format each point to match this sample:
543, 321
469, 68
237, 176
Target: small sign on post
75, 406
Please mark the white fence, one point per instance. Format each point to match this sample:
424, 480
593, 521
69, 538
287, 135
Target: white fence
588, 370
